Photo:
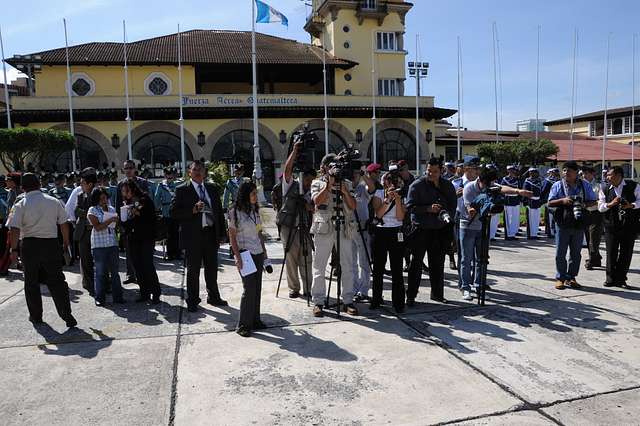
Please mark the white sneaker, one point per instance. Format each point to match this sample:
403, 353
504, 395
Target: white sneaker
466, 295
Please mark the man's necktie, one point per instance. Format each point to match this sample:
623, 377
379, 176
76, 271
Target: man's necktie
207, 212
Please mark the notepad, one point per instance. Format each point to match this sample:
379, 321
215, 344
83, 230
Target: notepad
124, 213
248, 267
108, 215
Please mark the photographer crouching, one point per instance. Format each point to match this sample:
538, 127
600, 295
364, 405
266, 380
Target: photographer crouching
619, 202
329, 188
569, 198
432, 203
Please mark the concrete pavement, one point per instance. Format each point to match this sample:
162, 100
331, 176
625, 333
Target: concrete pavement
533, 355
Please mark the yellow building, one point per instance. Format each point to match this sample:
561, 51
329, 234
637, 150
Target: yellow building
592, 125
217, 100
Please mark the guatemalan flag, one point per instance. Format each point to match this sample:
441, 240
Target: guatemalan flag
267, 14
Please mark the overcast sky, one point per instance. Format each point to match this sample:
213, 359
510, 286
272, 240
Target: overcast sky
37, 25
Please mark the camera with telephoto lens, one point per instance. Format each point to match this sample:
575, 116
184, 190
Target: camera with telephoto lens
578, 207
304, 160
489, 202
344, 163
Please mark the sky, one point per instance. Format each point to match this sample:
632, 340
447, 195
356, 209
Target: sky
37, 26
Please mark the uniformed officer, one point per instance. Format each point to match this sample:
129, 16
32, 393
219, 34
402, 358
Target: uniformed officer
36, 217
163, 195
553, 176
533, 183
449, 171
231, 187
512, 204
59, 191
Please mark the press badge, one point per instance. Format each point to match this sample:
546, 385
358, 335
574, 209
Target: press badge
400, 237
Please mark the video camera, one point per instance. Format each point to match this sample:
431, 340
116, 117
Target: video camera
489, 202
578, 208
304, 160
394, 176
344, 164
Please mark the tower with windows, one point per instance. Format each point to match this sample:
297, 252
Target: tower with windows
369, 32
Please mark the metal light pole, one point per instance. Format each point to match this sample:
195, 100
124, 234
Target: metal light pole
418, 70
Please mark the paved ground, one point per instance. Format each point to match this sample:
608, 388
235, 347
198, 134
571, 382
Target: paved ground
534, 355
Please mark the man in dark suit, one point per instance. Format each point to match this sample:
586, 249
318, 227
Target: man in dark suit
196, 206
129, 168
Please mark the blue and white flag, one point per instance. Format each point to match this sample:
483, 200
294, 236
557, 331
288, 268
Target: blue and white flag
266, 14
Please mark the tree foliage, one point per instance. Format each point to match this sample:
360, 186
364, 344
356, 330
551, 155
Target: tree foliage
21, 145
520, 151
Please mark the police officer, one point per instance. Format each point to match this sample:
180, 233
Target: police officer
553, 176
163, 195
59, 191
35, 217
323, 191
231, 187
512, 204
619, 202
533, 183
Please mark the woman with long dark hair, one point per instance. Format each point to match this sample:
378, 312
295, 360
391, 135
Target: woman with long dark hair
245, 234
139, 227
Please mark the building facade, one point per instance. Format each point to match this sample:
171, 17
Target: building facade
354, 37
530, 125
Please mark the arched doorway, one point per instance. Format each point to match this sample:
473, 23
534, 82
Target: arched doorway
159, 149
90, 154
394, 144
237, 147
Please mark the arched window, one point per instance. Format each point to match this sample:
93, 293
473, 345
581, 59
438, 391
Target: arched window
159, 149
237, 147
89, 155
394, 144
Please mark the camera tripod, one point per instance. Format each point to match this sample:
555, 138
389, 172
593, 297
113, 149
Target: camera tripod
483, 258
301, 230
338, 220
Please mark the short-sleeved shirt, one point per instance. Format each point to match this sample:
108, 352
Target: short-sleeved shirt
247, 230
362, 196
389, 220
37, 215
582, 186
105, 237
469, 193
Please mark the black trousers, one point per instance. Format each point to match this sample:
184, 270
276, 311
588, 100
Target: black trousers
173, 248
619, 244
433, 242
131, 270
86, 261
250, 301
141, 253
202, 251
593, 234
385, 242
40, 254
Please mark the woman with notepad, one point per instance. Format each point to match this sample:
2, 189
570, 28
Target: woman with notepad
247, 243
104, 246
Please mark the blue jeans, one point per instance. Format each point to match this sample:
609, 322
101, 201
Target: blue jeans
570, 238
106, 261
469, 251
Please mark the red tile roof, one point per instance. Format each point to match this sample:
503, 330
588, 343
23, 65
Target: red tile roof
591, 150
198, 47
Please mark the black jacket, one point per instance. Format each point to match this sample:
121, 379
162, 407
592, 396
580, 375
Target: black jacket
142, 227
423, 193
190, 223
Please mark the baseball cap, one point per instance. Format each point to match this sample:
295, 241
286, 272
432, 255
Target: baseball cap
374, 167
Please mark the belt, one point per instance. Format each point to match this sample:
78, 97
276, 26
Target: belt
512, 195
535, 198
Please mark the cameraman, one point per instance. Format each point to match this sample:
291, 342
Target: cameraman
471, 225
291, 230
323, 229
619, 202
569, 197
432, 202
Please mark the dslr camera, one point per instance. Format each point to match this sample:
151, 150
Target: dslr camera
578, 208
304, 160
394, 176
345, 162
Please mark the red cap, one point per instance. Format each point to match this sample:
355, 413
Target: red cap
374, 167
402, 163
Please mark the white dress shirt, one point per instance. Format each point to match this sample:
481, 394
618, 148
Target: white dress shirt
72, 203
196, 186
602, 201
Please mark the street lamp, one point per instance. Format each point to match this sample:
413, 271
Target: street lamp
358, 136
418, 70
28, 64
201, 139
283, 137
115, 141
429, 136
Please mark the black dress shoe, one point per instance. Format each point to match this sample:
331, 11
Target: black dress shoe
410, 302
71, 321
374, 305
294, 294
439, 299
99, 302
217, 302
608, 284
243, 331
192, 308
259, 325
36, 321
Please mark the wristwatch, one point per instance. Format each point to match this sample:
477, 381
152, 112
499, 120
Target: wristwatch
14, 250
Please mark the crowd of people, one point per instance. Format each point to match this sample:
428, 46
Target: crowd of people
360, 223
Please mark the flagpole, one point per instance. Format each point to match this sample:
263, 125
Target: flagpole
538, 87
495, 79
126, 91
324, 83
69, 96
459, 147
499, 75
633, 106
6, 86
373, 100
573, 93
417, 108
257, 168
606, 102
181, 119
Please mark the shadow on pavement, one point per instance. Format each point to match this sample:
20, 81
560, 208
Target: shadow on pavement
86, 347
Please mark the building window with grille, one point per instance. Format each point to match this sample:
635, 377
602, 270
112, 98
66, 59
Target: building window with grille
369, 4
387, 41
157, 84
388, 87
82, 85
